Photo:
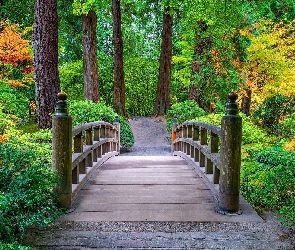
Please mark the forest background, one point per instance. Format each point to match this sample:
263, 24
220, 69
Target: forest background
212, 48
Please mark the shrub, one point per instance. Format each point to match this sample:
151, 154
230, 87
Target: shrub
268, 179
287, 127
185, 111
26, 192
87, 111
273, 110
13, 101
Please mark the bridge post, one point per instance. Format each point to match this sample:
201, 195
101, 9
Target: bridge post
230, 157
174, 127
62, 150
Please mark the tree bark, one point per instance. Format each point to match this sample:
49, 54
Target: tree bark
162, 102
202, 45
45, 47
246, 102
119, 85
91, 85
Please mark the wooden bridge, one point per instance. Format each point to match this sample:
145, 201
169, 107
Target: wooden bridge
198, 182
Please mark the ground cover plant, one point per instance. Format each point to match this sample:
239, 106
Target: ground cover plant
27, 194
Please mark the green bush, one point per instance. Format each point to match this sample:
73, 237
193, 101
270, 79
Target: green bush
273, 110
185, 111
268, 180
287, 127
26, 191
13, 101
12, 246
87, 111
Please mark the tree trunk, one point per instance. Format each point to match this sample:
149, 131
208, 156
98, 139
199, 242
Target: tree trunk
45, 47
203, 44
91, 87
246, 102
162, 102
119, 86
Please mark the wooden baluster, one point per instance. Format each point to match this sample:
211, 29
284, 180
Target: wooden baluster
203, 141
89, 158
102, 131
214, 144
196, 134
78, 148
213, 149
181, 136
184, 131
189, 136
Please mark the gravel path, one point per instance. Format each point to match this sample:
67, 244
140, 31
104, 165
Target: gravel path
150, 136
151, 139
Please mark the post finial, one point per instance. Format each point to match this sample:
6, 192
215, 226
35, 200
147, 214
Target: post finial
232, 105
175, 120
116, 120
61, 104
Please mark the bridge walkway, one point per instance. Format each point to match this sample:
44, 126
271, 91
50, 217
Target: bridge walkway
150, 188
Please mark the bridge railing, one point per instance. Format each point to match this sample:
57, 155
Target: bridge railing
77, 152
216, 153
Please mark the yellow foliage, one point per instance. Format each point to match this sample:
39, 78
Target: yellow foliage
270, 68
16, 83
4, 138
290, 145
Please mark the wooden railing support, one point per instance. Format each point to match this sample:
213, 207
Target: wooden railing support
62, 150
218, 165
230, 157
93, 144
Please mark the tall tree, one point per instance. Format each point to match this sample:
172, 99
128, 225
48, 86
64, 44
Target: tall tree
45, 47
203, 44
162, 102
91, 88
119, 85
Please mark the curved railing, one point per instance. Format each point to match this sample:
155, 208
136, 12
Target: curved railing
201, 142
93, 144
215, 153
78, 152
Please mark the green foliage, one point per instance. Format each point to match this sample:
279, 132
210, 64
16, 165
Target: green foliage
12, 246
185, 111
268, 179
141, 84
106, 78
26, 191
273, 110
287, 126
88, 111
126, 134
276, 10
72, 81
13, 101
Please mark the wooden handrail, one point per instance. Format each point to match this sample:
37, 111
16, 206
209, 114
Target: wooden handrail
78, 152
220, 161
